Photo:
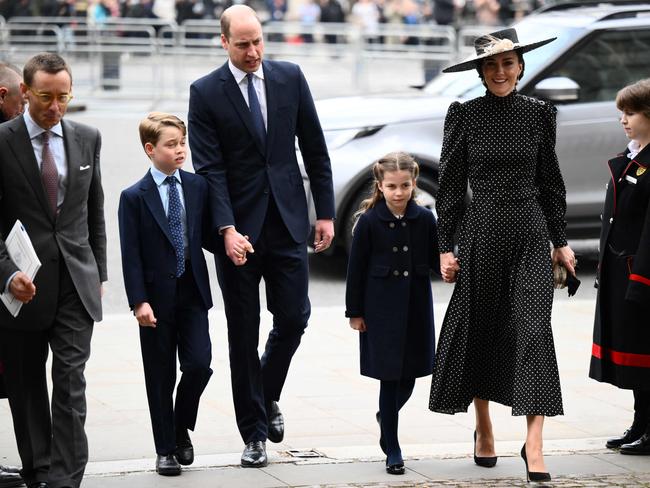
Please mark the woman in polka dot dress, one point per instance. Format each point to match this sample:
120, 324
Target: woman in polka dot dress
496, 342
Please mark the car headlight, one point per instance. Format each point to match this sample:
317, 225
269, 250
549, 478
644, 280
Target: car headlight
337, 138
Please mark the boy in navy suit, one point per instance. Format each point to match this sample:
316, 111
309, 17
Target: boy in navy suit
163, 221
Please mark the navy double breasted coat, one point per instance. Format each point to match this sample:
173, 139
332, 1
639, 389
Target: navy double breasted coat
388, 284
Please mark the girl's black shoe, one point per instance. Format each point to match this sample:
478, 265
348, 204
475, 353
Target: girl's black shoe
397, 468
484, 462
537, 476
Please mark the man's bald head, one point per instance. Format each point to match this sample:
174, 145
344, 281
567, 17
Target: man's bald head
237, 13
12, 102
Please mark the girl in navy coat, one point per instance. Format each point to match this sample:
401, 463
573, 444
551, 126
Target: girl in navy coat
388, 292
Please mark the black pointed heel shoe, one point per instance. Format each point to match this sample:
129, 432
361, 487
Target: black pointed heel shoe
536, 476
484, 462
395, 468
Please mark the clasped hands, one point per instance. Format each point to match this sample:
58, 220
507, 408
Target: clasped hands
449, 267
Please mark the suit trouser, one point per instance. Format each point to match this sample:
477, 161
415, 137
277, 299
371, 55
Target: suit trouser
642, 409
186, 329
284, 265
52, 448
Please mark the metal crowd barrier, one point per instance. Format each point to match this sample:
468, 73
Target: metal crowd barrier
163, 56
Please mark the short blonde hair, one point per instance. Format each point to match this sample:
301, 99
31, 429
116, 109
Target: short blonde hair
152, 125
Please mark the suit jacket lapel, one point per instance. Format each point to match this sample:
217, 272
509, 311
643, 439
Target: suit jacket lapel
274, 86
190, 195
21, 145
151, 197
233, 92
73, 152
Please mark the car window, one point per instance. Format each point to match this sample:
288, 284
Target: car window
607, 62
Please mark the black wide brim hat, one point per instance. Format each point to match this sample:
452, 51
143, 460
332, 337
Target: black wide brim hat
498, 42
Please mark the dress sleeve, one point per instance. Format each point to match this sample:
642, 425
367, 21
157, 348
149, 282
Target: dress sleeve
452, 176
552, 193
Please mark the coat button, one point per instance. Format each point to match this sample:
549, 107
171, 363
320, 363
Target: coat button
396, 273
394, 249
172, 275
611, 220
601, 216
391, 225
406, 273
405, 248
606, 186
403, 224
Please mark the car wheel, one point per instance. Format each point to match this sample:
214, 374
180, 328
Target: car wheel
426, 197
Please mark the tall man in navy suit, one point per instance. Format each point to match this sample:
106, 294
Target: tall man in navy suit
244, 118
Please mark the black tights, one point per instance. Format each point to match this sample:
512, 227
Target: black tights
392, 397
642, 410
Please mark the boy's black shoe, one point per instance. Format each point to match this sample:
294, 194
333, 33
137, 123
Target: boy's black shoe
275, 423
167, 465
184, 448
640, 447
254, 455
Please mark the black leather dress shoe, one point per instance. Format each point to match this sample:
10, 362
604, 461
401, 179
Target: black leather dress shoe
167, 465
630, 435
10, 477
640, 447
184, 449
254, 455
275, 423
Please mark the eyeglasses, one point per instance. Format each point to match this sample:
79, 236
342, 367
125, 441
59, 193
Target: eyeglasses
47, 98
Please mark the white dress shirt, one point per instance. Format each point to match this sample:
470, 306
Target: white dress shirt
258, 84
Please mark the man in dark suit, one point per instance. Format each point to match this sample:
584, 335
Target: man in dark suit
12, 104
50, 180
244, 118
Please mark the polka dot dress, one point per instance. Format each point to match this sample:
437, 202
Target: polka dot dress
496, 341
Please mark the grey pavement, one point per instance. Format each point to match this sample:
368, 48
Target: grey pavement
329, 411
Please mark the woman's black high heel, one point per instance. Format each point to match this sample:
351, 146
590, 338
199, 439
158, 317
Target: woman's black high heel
484, 462
533, 475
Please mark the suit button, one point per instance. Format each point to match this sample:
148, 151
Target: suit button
405, 248
172, 275
403, 224
266, 191
391, 225
406, 273
611, 220
395, 273
394, 249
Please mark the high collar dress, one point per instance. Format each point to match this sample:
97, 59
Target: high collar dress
496, 341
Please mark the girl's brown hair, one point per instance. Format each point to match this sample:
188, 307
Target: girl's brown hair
635, 98
395, 161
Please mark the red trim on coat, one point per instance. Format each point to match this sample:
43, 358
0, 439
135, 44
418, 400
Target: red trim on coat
621, 358
640, 279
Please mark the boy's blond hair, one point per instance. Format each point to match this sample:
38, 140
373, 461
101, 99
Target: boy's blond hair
152, 125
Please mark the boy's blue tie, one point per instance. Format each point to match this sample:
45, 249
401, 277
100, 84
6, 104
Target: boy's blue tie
256, 110
175, 224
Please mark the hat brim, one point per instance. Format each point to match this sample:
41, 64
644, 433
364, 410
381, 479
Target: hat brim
473, 63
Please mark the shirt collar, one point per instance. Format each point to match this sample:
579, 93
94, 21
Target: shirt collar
240, 75
34, 130
634, 148
159, 177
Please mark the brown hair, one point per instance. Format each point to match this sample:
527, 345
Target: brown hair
51, 63
520, 57
395, 161
635, 97
152, 125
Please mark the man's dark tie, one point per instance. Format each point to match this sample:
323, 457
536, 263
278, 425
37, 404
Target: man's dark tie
49, 174
256, 110
175, 224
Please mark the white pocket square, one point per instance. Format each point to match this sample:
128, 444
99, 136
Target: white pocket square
84, 168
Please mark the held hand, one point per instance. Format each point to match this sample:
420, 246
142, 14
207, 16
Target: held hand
144, 315
449, 267
566, 257
357, 323
323, 234
237, 246
22, 287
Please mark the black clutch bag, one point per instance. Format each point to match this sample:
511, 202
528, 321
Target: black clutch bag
563, 279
